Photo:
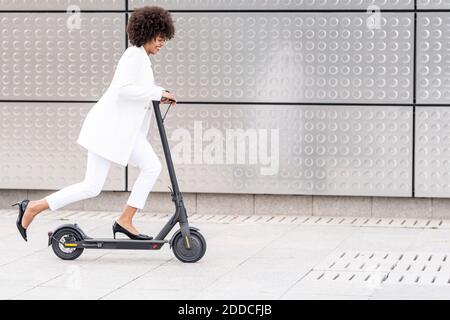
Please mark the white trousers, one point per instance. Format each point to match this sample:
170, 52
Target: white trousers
142, 156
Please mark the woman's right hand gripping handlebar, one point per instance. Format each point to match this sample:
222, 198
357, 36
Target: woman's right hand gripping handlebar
168, 97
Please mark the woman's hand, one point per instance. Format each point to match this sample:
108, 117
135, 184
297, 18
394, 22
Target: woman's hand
169, 98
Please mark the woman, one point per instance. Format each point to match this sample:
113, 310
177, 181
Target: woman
116, 127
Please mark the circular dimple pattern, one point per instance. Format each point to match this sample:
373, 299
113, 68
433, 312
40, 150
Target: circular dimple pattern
274, 4
432, 151
43, 59
433, 4
38, 149
282, 57
433, 67
339, 150
61, 4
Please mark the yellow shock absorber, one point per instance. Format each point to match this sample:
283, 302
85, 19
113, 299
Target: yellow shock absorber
188, 244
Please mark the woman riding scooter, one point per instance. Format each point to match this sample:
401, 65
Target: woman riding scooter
116, 128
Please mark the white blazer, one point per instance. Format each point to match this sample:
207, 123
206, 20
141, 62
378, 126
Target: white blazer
113, 123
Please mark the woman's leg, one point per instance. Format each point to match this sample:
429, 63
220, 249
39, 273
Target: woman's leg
144, 157
97, 169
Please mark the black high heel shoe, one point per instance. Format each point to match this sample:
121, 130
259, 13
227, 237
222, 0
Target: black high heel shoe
118, 228
22, 208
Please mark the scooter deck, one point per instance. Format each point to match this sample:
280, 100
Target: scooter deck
121, 244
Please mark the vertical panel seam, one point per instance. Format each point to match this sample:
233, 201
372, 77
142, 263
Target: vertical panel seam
414, 103
126, 44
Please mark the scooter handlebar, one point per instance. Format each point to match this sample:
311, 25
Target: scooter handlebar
171, 100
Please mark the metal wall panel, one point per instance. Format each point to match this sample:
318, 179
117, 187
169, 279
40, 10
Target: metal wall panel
273, 4
44, 59
328, 150
274, 57
25, 5
289, 57
433, 59
433, 4
432, 152
38, 148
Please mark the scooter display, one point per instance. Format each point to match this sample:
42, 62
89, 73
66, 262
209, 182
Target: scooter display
69, 241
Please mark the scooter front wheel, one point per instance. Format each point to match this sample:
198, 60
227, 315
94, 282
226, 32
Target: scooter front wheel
66, 235
197, 244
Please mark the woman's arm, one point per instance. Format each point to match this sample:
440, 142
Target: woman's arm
127, 70
136, 92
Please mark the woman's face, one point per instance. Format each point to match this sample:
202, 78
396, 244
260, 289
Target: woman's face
155, 45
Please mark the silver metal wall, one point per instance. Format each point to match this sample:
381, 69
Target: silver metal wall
433, 151
42, 59
273, 4
339, 150
38, 148
290, 57
53, 5
359, 110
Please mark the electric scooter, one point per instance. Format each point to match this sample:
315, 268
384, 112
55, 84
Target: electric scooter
69, 241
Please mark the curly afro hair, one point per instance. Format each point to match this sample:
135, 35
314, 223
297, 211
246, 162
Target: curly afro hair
146, 23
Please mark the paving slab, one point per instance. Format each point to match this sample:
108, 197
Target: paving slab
248, 257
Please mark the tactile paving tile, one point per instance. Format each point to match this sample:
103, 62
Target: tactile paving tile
416, 278
344, 276
421, 269
424, 262
359, 261
332, 150
433, 4
414, 268
289, 57
433, 55
432, 168
39, 150
44, 56
62, 4
273, 5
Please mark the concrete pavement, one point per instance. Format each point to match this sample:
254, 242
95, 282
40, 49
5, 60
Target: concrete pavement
248, 257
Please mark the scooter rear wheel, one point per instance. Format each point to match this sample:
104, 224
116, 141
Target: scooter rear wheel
197, 250
63, 236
